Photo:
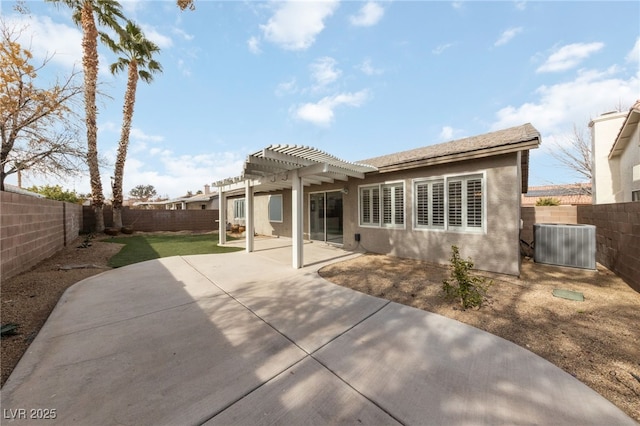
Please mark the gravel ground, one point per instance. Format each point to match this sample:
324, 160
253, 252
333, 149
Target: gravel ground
597, 340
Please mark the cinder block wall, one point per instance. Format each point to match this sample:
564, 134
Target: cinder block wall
33, 229
545, 214
617, 237
156, 220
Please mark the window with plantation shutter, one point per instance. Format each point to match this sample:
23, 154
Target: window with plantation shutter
382, 205
453, 203
370, 206
429, 204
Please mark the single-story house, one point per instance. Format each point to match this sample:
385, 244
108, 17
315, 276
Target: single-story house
413, 204
206, 200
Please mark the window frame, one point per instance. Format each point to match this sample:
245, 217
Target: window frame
430, 183
237, 202
378, 211
464, 210
273, 198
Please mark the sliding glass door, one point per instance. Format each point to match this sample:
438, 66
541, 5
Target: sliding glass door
325, 217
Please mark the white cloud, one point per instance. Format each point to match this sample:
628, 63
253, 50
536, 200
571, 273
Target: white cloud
155, 36
321, 113
140, 135
368, 69
184, 69
521, 5
174, 174
569, 56
45, 38
562, 105
507, 35
457, 5
368, 15
185, 36
287, 87
441, 48
449, 133
634, 54
254, 45
296, 24
324, 72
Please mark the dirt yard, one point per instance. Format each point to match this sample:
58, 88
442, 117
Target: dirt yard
596, 340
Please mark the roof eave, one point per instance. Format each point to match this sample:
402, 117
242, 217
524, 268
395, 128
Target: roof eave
626, 132
462, 156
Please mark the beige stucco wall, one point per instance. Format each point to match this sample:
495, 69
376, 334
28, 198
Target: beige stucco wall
209, 205
261, 222
495, 250
605, 183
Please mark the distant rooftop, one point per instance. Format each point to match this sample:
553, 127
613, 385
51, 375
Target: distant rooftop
570, 194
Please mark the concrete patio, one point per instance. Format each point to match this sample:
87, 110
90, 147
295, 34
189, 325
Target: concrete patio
243, 338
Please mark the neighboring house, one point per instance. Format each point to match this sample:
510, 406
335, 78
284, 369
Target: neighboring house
569, 194
615, 140
204, 201
413, 204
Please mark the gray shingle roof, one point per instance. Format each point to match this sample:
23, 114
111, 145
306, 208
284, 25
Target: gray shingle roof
506, 140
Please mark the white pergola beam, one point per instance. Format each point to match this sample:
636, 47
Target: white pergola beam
280, 156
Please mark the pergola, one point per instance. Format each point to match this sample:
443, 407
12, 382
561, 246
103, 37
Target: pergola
280, 167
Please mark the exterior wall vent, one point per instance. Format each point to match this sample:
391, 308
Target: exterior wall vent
565, 245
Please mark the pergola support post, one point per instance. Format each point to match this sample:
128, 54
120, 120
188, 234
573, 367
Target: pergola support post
297, 206
248, 215
222, 217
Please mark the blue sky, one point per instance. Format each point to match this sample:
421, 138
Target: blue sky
357, 79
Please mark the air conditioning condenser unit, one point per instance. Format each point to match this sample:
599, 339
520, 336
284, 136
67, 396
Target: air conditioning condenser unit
565, 245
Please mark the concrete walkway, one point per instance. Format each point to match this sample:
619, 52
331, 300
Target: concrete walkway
244, 339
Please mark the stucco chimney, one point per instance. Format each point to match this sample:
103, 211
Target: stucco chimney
604, 130
207, 189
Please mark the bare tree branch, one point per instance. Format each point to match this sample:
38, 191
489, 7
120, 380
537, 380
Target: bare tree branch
37, 125
575, 154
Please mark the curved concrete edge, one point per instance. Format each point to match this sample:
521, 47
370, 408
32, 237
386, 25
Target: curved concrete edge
240, 338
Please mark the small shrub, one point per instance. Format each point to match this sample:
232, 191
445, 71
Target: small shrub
469, 289
548, 201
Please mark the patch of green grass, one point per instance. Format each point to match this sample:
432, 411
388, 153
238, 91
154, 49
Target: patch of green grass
139, 248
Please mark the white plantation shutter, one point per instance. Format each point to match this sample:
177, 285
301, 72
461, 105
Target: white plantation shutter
386, 205
375, 205
422, 204
474, 203
365, 206
437, 204
455, 203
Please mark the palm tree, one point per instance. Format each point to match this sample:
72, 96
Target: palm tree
85, 13
137, 58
